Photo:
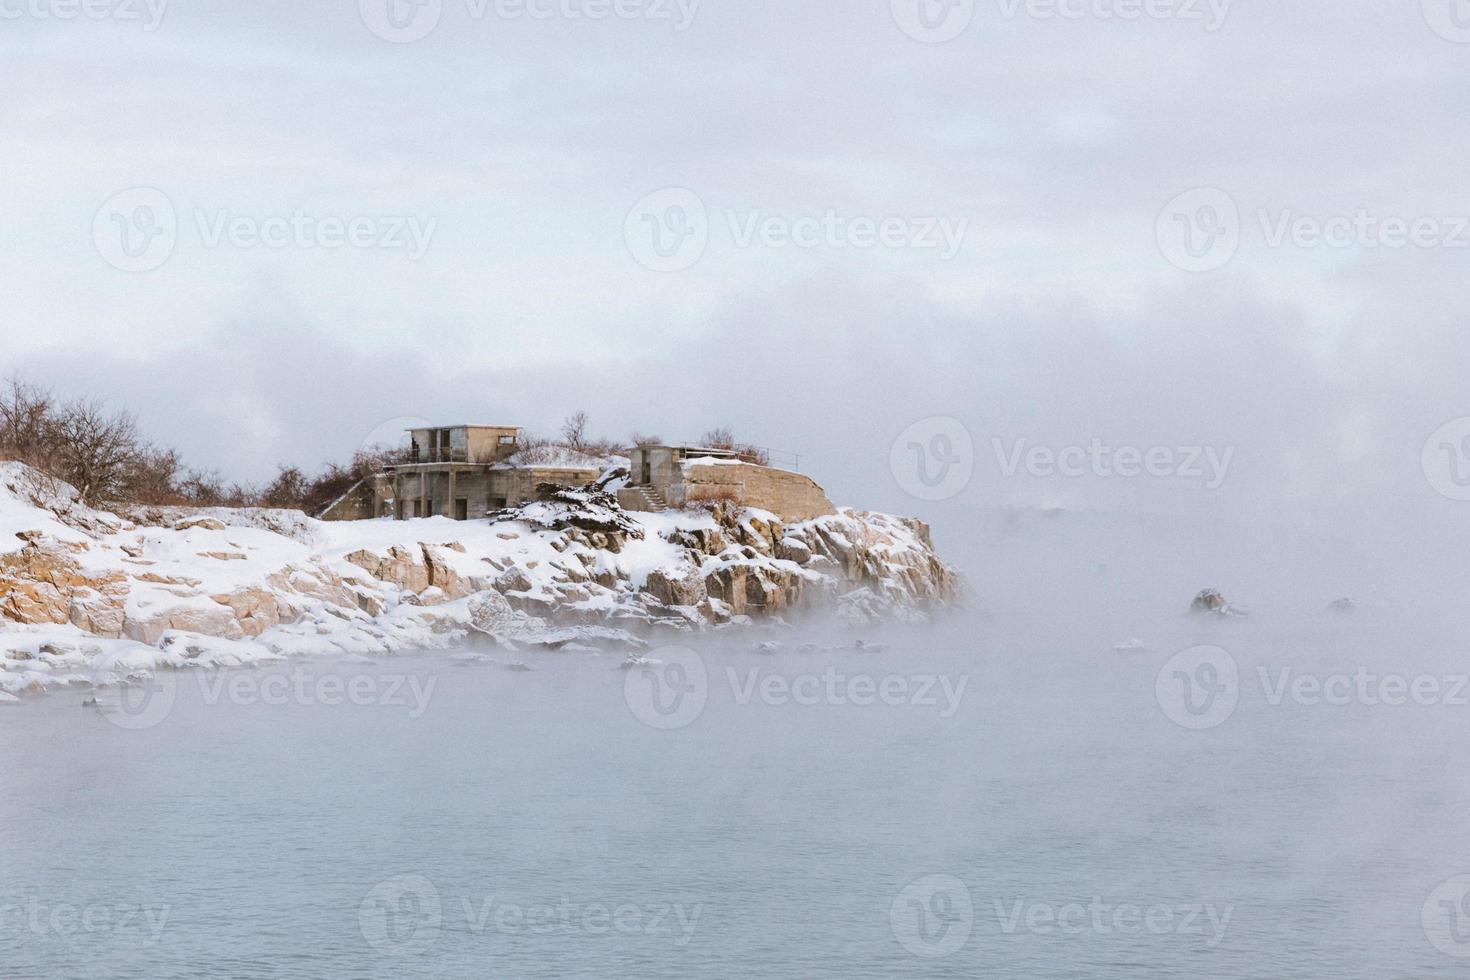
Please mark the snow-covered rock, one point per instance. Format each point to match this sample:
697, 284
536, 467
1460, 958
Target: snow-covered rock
154, 587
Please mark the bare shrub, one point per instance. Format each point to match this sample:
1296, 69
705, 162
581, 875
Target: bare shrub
710, 496
721, 437
288, 489
337, 479
153, 477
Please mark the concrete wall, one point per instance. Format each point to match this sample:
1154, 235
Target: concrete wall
792, 496
521, 483
473, 486
663, 466
485, 447
471, 444
483, 489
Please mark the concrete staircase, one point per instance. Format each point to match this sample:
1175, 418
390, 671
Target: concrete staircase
653, 497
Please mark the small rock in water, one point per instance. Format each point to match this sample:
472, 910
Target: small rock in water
1131, 645
518, 665
1342, 607
1211, 602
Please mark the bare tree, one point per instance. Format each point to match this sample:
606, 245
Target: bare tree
574, 430
94, 450
27, 422
639, 439
721, 437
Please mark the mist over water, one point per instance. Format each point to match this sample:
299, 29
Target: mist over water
999, 793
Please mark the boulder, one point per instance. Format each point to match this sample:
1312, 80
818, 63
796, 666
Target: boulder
256, 609
677, 586
211, 619
513, 580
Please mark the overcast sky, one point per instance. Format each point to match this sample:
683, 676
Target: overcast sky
272, 228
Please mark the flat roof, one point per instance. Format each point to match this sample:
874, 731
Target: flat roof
461, 425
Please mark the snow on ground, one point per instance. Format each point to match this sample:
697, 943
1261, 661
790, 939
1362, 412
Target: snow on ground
95, 597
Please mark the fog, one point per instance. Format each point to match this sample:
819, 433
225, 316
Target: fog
1166, 302
1056, 142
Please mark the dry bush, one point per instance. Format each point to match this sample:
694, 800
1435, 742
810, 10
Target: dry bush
710, 496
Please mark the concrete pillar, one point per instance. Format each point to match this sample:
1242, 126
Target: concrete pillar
449, 502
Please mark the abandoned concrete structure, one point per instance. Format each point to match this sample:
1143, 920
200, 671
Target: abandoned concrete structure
470, 471
458, 471
661, 477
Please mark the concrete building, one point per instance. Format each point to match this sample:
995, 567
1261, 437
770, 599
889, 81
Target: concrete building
661, 477
458, 471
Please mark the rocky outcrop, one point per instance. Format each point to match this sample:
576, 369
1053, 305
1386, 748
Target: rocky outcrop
230, 586
43, 583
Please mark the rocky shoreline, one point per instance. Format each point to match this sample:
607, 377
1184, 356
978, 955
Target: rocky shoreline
93, 597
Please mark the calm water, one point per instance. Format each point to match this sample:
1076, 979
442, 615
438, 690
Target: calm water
530, 824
